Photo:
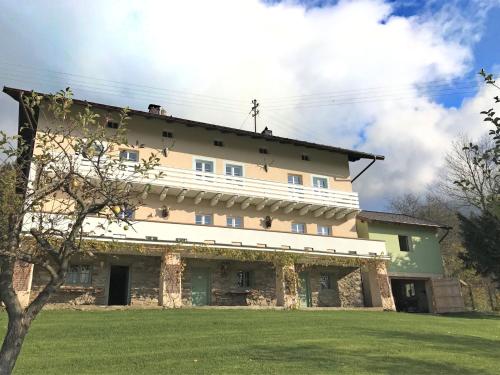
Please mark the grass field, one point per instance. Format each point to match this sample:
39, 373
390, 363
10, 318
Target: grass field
258, 342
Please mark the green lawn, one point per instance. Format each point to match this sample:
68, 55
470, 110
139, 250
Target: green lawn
192, 341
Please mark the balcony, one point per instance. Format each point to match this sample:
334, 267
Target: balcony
245, 192
156, 233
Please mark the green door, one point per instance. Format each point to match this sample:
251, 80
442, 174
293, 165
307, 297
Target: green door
304, 290
199, 287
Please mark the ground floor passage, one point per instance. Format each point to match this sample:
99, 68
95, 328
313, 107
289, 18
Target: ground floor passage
412, 295
175, 281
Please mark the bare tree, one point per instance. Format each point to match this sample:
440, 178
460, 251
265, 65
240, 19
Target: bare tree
66, 167
470, 180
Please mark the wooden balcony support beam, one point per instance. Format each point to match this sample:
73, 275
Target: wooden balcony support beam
231, 201
304, 210
276, 205
199, 197
262, 204
182, 195
215, 199
246, 203
320, 211
163, 193
290, 207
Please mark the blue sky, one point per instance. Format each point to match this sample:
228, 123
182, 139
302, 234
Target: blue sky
396, 78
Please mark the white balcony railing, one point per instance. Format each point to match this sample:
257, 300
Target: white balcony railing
245, 239
259, 191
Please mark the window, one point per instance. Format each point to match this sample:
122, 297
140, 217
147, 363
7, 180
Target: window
204, 219
112, 125
324, 230
298, 228
410, 290
305, 157
206, 166
320, 182
263, 150
234, 170
295, 179
78, 275
129, 155
167, 134
234, 221
404, 243
218, 143
325, 281
244, 279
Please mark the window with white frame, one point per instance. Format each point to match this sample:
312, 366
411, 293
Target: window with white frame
79, 275
203, 219
324, 230
129, 155
295, 179
206, 166
298, 228
234, 170
234, 221
320, 182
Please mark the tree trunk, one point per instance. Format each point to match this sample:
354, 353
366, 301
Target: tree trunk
12, 343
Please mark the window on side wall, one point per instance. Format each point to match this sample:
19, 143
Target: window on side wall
324, 230
295, 179
410, 290
234, 170
325, 281
298, 228
129, 155
244, 279
202, 219
234, 221
320, 182
404, 243
79, 275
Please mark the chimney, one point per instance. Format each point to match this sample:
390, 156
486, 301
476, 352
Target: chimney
154, 108
267, 131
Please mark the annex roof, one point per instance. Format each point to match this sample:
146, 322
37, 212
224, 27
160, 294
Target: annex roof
390, 217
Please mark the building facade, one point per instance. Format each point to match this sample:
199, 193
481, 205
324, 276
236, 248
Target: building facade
416, 273
213, 228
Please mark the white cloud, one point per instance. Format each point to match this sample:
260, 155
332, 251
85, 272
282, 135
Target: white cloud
246, 49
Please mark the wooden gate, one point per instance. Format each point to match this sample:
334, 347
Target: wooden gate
447, 296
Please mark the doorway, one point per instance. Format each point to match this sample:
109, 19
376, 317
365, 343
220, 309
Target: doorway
410, 295
118, 285
200, 287
304, 290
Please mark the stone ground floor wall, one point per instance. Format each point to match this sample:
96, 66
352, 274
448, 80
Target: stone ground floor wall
344, 289
144, 274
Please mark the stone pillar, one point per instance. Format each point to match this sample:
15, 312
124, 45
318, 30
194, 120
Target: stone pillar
21, 280
286, 286
170, 291
378, 285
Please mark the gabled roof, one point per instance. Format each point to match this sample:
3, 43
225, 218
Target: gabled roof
390, 217
351, 154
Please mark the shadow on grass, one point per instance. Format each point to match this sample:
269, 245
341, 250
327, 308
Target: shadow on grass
474, 315
323, 360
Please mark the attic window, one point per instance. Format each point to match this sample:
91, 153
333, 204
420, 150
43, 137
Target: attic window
263, 150
112, 125
167, 134
305, 157
218, 143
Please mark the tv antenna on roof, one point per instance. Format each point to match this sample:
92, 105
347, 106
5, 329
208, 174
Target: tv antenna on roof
255, 112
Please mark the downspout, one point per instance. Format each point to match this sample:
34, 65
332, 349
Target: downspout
364, 170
